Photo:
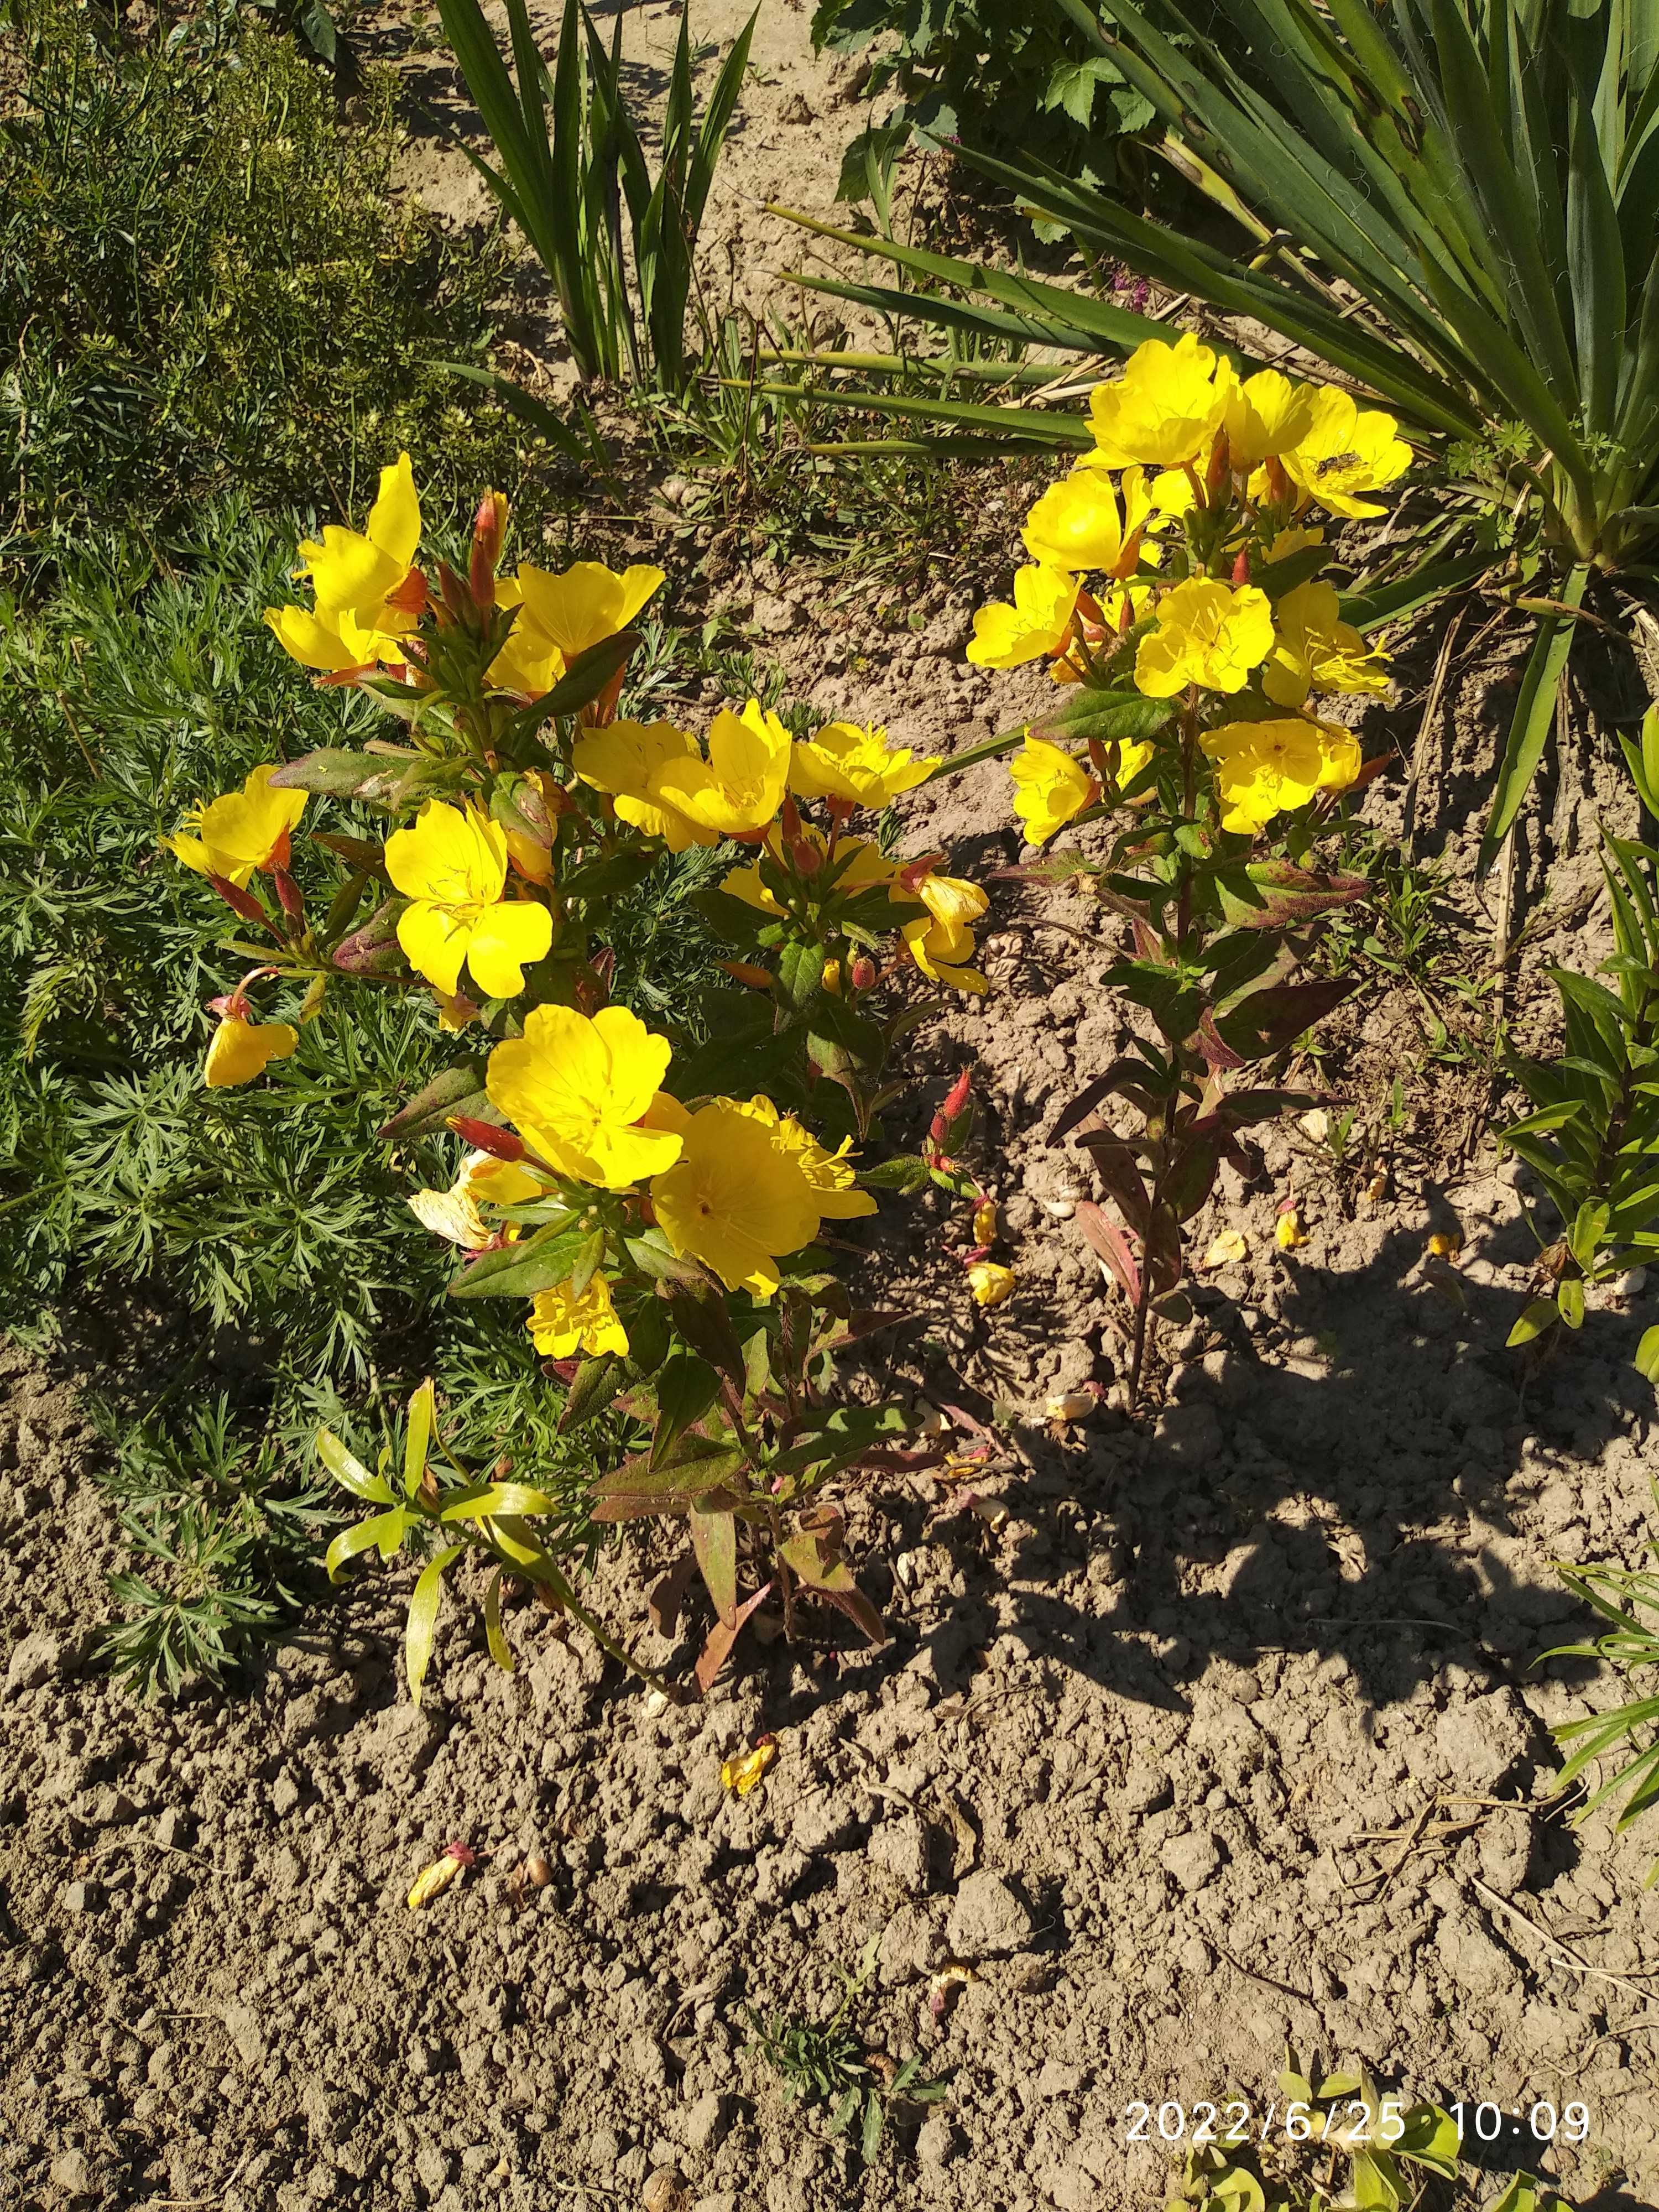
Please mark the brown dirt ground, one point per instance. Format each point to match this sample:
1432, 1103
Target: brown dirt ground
1193, 1737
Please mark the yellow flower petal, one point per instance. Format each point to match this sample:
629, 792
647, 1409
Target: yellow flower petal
505, 939
394, 520
1035, 627
434, 939
1050, 787
1209, 634
845, 761
561, 1323
1076, 524
991, 1285
454, 856
740, 787
242, 831
735, 1199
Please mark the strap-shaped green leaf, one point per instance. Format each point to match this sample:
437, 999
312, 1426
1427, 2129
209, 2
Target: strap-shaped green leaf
422, 1624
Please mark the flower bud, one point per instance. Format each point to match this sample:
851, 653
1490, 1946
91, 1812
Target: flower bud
863, 972
290, 895
1221, 463
1242, 566
984, 1221
956, 1098
939, 1129
488, 528
488, 1137
745, 972
789, 816
243, 902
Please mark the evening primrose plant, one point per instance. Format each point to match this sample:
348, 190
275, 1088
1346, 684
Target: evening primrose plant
654, 1198
1173, 586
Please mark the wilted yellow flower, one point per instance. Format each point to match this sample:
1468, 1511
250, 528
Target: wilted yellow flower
433, 1880
581, 1092
242, 1049
1315, 651
991, 1285
1165, 408
1227, 1248
358, 580
1348, 452
453, 1213
1267, 414
845, 761
1049, 788
829, 1176
451, 867
941, 940
1447, 1244
244, 830
737, 1198
736, 791
1288, 1233
561, 1323
560, 617
984, 1221
746, 1770
1208, 632
622, 759
1036, 627
1264, 768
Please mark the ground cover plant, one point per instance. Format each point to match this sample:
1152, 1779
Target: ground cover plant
212, 290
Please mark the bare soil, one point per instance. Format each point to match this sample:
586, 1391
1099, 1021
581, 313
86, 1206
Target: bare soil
1194, 1736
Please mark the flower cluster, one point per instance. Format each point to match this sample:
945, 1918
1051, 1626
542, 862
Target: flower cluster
520, 786
1182, 554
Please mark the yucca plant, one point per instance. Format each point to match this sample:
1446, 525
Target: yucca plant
1453, 202
570, 163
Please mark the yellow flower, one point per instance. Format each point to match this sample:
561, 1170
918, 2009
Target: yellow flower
1264, 769
244, 830
1346, 453
451, 867
1036, 625
1165, 408
1293, 540
357, 578
736, 791
1315, 651
1049, 788
453, 1213
622, 759
1208, 632
241, 1050
561, 1323
1077, 523
579, 1091
829, 1174
736, 1198
1288, 1233
1267, 414
560, 617
991, 1283
844, 761
941, 940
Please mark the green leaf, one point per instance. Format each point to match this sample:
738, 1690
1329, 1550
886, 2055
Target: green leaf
800, 973
349, 1472
686, 1388
1542, 1314
500, 1650
1647, 1354
1570, 1297
329, 771
457, 1089
385, 1531
593, 1388
637, 1489
870, 2140
418, 1436
422, 1623
1534, 718
519, 1270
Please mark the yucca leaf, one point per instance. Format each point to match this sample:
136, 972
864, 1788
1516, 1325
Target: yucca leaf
1534, 718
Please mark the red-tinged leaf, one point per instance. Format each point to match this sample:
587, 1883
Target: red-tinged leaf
1217, 1053
1118, 1166
1269, 1019
1272, 894
718, 1649
429, 1109
666, 1599
904, 1462
1091, 1097
852, 1603
1105, 1238
1191, 1178
714, 1541
636, 1490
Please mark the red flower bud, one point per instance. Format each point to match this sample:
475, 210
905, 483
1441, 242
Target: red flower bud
956, 1097
790, 816
289, 895
805, 855
488, 528
488, 1137
1221, 462
243, 902
864, 972
1242, 566
939, 1129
